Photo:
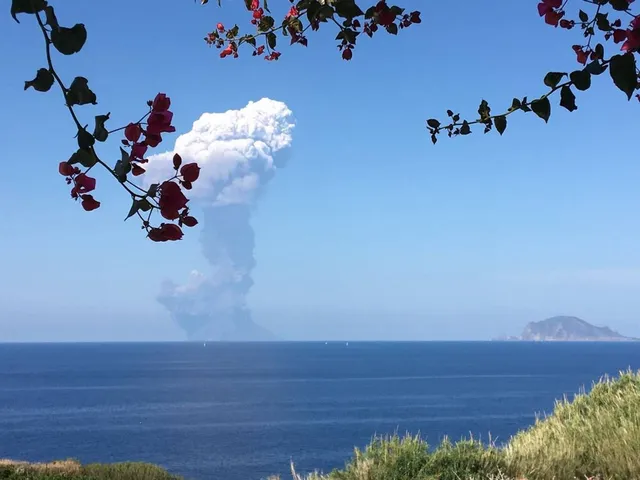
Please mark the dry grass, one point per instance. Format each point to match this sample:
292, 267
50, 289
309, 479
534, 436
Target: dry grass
593, 436
73, 470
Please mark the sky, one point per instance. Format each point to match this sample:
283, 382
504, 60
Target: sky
369, 231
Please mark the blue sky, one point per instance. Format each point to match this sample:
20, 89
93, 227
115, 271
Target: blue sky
370, 231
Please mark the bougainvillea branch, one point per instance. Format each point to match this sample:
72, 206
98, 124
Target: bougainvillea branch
622, 67
350, 19
167, 197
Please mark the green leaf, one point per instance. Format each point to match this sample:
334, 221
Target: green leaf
250, 39
153, 190
247, 4
26, 6
142, 204
484, 110
100, 132
501, 123
123, 166
595, 67
552, 79
69, 40
392, 29
347, 9
542, 108
465, 129
599, 50
515, 105
583, 16
85, 139
313, 10
43, 81
83, 157
524, 106
623, 73
79, 93
581, 79
266, 23
568, 99
271, 40
433, 123
52, 21
602, 22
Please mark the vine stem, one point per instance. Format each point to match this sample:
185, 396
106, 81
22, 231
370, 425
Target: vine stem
64, 89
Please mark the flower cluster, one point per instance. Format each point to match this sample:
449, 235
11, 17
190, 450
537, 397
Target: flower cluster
82, 185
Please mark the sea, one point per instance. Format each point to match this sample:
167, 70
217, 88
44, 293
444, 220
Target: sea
243, 411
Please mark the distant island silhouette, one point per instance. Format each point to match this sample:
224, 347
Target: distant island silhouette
566, 329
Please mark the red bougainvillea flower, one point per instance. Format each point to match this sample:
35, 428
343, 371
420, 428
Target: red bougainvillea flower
161, 103
347, 54
84, 183
66, 169
177, 161
220, 27
581, 54
227, 51
152, 139
160, 122
546, 6
633, 40
190, 221
132, 132
89, 203
619, 35
255, 4
166, 232
137, 170
415, 17
138, 150
172, 200
190, 172
258, 13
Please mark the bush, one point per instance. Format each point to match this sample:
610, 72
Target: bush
72, 470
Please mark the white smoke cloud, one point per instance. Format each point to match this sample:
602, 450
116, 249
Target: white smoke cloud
238, 152
234, 149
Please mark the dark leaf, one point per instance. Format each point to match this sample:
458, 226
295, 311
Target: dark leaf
26, 6
465, 129
85, 139
272, 40
449, 113
623, 72
142, 204
620, 5
434, 138
524, 106
595, 68
542, 108
43, 81
602, 22
347, 9
52, 21
515, 105
83, 157
568, 99
581, 79
313, 10
599, 50
583, 16
484, 110
153, 190
79, 92
392, 29
501, 123
433, 123
552, 79
69, 40
266, 23
100, 132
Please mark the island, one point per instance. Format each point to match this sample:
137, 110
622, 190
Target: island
567, 329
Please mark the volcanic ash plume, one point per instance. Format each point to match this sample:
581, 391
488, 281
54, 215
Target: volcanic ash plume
238, 151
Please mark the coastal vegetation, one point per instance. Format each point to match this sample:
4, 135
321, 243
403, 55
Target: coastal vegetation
595, 435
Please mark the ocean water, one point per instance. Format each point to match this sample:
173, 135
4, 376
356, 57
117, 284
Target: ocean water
242, 411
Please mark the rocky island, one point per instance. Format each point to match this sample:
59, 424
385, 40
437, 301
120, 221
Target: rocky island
567, 329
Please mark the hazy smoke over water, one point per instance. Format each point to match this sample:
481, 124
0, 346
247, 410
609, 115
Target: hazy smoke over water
238, 151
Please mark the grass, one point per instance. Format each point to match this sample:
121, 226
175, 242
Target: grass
73, 470
595, 435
